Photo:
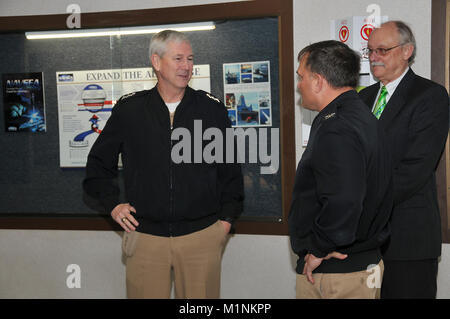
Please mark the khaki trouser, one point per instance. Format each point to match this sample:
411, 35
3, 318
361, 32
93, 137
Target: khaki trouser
195, 260
355, 285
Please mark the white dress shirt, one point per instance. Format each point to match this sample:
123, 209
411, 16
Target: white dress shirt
390, 87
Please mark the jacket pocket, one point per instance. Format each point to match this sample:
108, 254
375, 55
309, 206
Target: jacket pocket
129, 243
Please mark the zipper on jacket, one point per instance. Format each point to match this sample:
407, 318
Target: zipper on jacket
171, 177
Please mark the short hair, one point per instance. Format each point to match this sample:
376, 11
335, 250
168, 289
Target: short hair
158, 44
406, 36
333, 60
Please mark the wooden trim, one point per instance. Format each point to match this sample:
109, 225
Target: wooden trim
447, 85
446, 216
438, 28
447, 48
440, 37
127, 18
283, 9
59, 222
105, 223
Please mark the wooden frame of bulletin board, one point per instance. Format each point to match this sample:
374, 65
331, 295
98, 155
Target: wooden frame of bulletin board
281, 10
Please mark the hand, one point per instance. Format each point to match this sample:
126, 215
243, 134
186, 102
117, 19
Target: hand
226, 225
122, 215
312, 262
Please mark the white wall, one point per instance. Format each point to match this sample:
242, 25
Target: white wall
33, 262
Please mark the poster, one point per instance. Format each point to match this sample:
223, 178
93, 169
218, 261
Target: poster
86, 98
247, 93
23, 102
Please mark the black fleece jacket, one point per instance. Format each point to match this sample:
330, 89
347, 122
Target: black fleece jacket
171, 199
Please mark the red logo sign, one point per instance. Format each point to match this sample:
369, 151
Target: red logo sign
366, 30
344, 33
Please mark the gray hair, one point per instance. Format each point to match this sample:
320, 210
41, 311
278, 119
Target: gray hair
406, 36
158, 44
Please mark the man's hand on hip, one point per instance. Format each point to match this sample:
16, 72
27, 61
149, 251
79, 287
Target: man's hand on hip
312, 262
226, 225
122, 215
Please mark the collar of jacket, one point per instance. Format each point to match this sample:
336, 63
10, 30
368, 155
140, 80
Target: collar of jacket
156, 101
396, 102
330, 110
398, 99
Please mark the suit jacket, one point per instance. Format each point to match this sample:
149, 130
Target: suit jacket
416, 122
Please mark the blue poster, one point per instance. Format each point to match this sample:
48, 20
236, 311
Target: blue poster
23, 102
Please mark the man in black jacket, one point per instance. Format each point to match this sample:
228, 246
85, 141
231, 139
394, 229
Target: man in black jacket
178, 213
342, 196
413, 112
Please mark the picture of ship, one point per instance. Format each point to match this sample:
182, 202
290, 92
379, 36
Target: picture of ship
232, 74
246, 114
260, 72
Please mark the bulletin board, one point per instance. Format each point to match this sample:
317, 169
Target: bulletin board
35, 192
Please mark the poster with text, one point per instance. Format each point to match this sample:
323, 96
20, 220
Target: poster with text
23, 102
86, 98
247, 93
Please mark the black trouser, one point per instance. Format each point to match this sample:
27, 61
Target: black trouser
409, 279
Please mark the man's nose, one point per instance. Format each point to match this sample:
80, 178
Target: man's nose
185, 64
373, 56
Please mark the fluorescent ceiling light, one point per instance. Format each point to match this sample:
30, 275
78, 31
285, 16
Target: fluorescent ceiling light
81, 33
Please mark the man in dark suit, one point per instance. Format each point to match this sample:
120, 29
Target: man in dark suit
414, 113
342, 197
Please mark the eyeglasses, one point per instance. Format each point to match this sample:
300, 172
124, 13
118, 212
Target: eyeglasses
366, 52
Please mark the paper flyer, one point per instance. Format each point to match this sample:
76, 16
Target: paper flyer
23, 102
247, 93
86, 98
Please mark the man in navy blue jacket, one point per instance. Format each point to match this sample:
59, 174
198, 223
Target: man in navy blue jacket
342, 196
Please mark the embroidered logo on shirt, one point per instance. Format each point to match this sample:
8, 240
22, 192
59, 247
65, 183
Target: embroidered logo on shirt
329, 116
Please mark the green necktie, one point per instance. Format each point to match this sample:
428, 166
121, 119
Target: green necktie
381, 103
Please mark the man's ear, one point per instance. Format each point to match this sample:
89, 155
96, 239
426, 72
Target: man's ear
155, 59
317, 82
407, 51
